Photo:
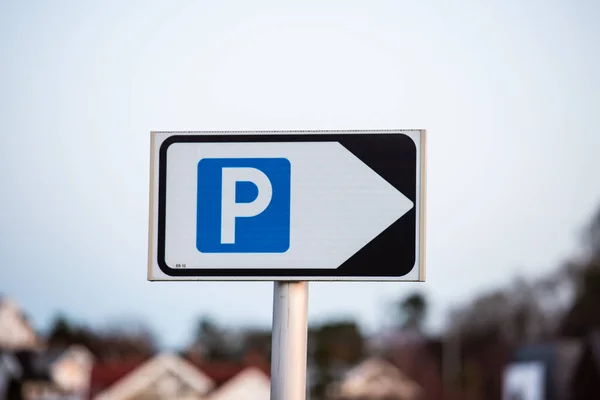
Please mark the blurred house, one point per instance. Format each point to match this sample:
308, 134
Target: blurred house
467, 367
543, 371
525, 381
169, 376
165, 376
16, 333
563, 369
250, 384
107, 373
30, 371
375, 379
417, 357
56, 373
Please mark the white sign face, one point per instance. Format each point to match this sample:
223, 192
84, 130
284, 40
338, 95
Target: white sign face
292, 205
524, 381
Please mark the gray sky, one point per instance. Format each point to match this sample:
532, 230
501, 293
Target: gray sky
508, 92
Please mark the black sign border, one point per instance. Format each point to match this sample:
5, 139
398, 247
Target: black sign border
391, 155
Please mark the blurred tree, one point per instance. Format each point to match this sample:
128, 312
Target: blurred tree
212, 339
413, 310
125, 338
592, 236
207, 329
583, 316
64, 333
334, 347
258, 341
518, 312
338, 342
566, 302
61, 330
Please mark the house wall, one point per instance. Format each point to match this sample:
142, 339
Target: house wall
155, 396
73, 370
15, 332
250, 384
168, 387
46, 391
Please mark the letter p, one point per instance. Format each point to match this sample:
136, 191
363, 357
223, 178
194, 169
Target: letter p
231, 209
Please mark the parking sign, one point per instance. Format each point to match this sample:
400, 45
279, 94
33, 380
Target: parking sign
290, 205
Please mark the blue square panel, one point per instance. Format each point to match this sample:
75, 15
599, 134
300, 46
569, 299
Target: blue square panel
243, 205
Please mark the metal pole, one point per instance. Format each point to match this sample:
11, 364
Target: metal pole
290, 333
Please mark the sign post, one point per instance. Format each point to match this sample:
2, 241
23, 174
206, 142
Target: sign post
290, 331
288, 207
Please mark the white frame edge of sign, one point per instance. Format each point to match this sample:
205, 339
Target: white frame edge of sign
420, 253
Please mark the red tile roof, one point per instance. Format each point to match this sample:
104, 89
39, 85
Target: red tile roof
107, 374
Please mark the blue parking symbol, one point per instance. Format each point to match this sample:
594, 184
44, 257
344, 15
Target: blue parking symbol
243, 205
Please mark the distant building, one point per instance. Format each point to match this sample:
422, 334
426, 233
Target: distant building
419, 358
29, 371
16, 333
171, 377
250, 384
57, 374
375, 379
543, 371
165, 376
